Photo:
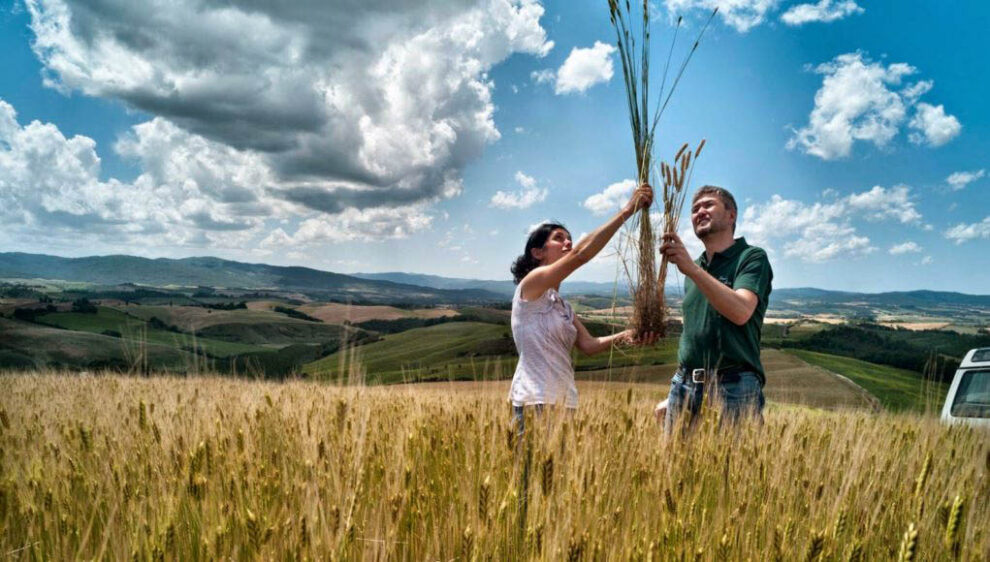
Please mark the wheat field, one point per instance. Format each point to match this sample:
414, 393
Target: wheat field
115, 468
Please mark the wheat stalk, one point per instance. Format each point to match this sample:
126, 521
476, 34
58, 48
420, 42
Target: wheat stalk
648, 298
675, 188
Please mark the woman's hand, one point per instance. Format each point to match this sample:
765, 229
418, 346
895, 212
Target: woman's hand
641, 199
660, 411
628, 337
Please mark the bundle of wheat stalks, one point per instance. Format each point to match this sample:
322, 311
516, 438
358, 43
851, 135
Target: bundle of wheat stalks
675, 180
647, 290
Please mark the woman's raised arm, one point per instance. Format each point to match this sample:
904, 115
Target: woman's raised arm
551, 275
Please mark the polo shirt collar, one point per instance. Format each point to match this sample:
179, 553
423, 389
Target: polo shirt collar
732, 251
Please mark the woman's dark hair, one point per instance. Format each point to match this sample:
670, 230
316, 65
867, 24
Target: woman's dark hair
537, 239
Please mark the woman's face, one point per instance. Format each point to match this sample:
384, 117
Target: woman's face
558, 244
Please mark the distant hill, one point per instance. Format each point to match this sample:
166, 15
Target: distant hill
902, 299
778, 297
414, 288
219, 273
504, 287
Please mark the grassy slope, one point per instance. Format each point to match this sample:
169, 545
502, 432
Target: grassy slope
197, 318
135, 329
663, 353
466, 351
23, 343
444, 352
897, 389
256, 327
434, 352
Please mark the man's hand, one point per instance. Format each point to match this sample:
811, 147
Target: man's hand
673, 249
660, 412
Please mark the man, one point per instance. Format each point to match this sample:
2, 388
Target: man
725, 298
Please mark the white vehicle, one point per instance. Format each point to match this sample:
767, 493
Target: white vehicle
968, 400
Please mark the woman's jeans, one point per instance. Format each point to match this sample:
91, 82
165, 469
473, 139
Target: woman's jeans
736, 400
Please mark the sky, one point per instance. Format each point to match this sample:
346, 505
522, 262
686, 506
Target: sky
429, 136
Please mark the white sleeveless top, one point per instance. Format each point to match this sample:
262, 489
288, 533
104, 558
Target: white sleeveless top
544, 332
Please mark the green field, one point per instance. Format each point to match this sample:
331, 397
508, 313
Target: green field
134, 329
197, 318
663, 353
455, 350
255, 327
467, 351
897, 389
27, 345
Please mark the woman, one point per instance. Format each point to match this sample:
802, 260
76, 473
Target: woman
544, 326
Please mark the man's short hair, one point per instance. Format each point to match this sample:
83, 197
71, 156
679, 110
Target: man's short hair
727, 199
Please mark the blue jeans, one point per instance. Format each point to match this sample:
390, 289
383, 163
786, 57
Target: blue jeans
735, 400
523, 454
519, 418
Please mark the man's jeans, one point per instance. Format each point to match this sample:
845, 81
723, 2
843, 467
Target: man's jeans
735, 400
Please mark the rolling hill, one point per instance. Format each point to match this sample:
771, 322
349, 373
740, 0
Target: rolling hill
215, 272
504, 287
413, 288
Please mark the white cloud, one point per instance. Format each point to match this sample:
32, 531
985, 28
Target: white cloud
933, 126
826, 241
859, 100
959, 180
742, 15
927, 260
918, 89
526, 181
966, 232
191, 192
544, 76
823, 11
518, 199
50, 187
611, 198
521, 199
825, 230
880, 203
353, 225
584, 68
343, 106
458, 242
906, 247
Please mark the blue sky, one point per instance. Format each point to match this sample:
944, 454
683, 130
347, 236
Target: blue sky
354, 137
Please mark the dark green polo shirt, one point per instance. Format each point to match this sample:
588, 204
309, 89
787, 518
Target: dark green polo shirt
709, 339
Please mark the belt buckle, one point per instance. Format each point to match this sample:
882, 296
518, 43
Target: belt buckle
698, 376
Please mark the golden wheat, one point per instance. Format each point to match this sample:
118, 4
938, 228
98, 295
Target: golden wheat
232, 469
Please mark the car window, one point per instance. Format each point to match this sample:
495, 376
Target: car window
973, 395
981, 355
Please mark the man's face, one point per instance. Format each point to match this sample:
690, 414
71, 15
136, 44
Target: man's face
709, 216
